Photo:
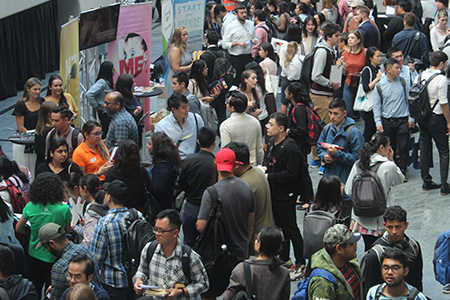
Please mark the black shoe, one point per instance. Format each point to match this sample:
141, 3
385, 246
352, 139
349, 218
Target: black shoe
445, 190
158, 20
426, 186
404, 174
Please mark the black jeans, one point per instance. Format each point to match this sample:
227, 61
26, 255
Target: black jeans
369, 125
398, 132
116, 293
40, 274
221, 109
104, 120
286, 218
238, 63
434, 128
190, 232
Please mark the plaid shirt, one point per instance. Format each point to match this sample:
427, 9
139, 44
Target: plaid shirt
165, 272
59, 280
122, 127
107, 247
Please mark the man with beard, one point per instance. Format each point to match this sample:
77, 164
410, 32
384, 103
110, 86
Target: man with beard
53, 238
394, 269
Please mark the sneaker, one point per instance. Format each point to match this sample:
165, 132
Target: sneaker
445, 190
298, 273
315, 164
321, 170
404, 174
426, 186
288, 264
446, 289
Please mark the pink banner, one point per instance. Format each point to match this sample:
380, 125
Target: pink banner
130, 52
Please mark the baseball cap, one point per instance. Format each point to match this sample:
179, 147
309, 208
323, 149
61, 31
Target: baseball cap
117, 188
49, 231
340, 234
355, 3
225, 160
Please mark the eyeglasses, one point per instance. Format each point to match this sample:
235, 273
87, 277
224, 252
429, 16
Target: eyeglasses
161, 231
74, 276
394, 268
108, 103
96, 133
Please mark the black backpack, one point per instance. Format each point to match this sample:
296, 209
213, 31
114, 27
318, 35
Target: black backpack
185, 258
419, 103
138, 233
307, 66
269, 33
246, 294
75, 134
214, 247
411, 296
368, 198
222, 68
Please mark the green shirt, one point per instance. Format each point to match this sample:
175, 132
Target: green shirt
39, 215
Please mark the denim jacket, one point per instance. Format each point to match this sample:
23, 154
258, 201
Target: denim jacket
97, 94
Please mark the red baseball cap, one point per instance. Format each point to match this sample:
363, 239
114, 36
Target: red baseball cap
225, 160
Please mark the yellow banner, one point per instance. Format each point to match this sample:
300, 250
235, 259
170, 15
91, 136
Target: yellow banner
68, 63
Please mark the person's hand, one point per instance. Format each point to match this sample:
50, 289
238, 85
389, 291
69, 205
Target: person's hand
391, 154
264, 168
380, 128
103, 169
258, 111
431, 26
137, 110
448, 128
335, 85
209, 99
243, 44
412, 67
254, 41
328, 159
173, 293
378, 76
251, 103
137, 287
332, 150
410, 124
48, 290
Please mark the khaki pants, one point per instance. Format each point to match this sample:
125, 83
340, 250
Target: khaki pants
321, 104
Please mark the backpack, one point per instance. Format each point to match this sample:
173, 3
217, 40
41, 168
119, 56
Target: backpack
269, 33
246, 294
368, 197
302, 287
380, 91
213, 246
272, 26
18, 197
185, 258
315, 223
75, 134
315, 124
222, 68
441, 260
138, 233
411, 296
326, 129
306, 72
419, 103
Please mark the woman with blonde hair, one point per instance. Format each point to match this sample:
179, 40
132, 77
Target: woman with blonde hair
439, 31
329, 10
81, 291
355, 59
178, 58
43, 127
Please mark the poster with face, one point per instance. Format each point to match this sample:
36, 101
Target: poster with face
130, 52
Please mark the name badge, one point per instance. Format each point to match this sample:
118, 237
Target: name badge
93, 160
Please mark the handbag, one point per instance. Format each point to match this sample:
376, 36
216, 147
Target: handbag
363, 100
271, 82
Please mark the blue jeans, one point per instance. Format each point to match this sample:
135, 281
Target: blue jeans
189, 219
349, 97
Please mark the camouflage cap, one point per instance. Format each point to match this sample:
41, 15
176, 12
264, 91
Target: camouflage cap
340, 234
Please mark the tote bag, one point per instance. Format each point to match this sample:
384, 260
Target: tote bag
363, 100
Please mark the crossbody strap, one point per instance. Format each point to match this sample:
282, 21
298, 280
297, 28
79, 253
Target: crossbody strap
248, 279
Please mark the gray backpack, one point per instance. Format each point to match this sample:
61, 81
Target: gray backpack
368, 198
315, 223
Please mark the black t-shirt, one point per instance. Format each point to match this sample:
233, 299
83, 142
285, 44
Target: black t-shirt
30, 117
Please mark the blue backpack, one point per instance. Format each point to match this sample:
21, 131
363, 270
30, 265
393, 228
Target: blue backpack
441, 260
302, 287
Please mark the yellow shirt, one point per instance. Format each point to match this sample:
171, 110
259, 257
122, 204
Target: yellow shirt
72, 105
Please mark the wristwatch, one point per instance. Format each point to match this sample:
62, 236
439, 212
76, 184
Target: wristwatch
183, 293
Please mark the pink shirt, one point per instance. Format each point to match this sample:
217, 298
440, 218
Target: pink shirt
262, 37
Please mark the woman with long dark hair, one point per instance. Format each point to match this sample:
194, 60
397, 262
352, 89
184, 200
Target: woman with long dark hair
17, 175
57, 161
270, 279
127, 167
55, 93
376, 155
91, 155
163, 172
93, 194
96, 94
310, 33
46, 194
329, 198
125, 85
43, 127
199, 87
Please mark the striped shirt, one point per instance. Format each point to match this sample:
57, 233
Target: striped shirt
108, 249
352, 280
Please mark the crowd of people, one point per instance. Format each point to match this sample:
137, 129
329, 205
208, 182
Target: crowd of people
224, 155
